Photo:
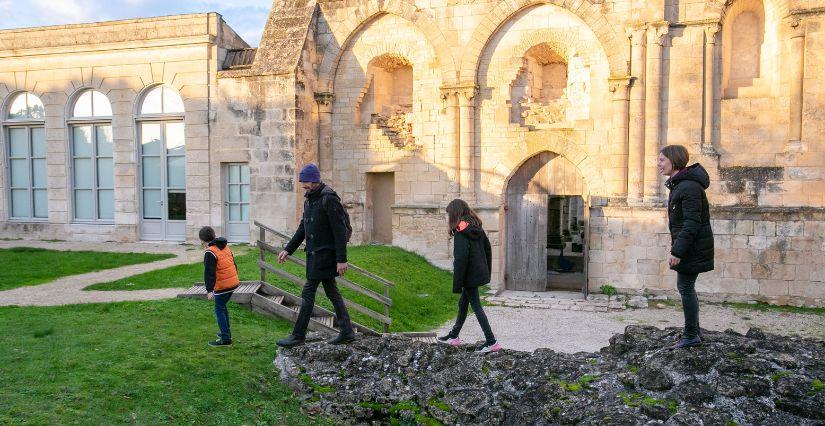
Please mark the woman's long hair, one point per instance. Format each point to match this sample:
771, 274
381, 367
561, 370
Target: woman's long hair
459, 210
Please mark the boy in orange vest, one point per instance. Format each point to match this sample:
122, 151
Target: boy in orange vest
220, 274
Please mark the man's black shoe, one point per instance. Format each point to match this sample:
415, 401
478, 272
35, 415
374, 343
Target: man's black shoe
290, 341
342, 339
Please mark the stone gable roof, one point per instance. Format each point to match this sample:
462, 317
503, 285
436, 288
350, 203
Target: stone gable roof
283, 39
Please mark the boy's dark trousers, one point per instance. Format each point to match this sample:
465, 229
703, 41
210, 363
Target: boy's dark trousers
222, 316
308, 302
470, 296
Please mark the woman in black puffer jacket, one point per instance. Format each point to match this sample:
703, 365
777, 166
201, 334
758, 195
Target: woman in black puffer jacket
688, 215
472, 257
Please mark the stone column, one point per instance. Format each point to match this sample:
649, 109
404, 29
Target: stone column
636, 124
466, 142
620, 87
451, 155
653, 109
325, 152
711, 89
797, 78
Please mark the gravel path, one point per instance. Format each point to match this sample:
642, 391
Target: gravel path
572, 331
69, 290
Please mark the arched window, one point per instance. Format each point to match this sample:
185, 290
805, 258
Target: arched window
26, 155
92, 157
162, 165
389, 89
161, 100
743, 38
549, 88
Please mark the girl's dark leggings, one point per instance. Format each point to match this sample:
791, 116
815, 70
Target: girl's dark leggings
469, 296
686, 283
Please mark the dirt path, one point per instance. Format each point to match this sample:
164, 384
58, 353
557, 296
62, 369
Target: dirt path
69, 290
573, 331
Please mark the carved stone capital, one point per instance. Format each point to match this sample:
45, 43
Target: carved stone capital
468, 91
636, 33
324, 98
711, 31
619, 83
797, 26
657, 31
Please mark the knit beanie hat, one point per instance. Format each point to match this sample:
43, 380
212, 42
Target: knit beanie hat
310, 173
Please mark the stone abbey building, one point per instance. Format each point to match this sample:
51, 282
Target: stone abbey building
547, 116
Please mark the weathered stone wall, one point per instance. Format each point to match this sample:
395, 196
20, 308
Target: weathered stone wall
255, 123
359, 148
656, 77
772, 254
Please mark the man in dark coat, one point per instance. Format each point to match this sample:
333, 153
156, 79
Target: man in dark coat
324, 228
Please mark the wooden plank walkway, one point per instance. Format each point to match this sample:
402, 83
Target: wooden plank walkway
270, 300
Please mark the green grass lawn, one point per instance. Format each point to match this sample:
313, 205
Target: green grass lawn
422, 298
140, 363
25, 266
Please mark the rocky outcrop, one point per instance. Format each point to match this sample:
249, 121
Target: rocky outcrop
733, 379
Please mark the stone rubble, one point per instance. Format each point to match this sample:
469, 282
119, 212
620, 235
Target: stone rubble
755, 378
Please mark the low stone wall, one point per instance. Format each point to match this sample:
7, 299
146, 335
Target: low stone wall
767, 254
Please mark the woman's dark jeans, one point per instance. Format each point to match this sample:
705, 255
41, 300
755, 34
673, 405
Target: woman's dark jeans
686, 283
469, 296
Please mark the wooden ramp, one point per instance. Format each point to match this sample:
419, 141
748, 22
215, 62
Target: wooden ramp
273, 301
265, 298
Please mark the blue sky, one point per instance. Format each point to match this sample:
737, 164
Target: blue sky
247, 17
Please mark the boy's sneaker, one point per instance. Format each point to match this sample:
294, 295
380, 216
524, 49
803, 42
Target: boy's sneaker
449, 340
489, 347
218, 343
290, 341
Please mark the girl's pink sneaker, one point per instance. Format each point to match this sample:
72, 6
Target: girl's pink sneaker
495, 347
452, 341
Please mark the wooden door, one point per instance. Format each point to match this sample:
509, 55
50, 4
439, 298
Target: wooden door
380, 199
527, 242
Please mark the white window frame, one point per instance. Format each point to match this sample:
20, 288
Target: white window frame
162, 119
94, 121
95, 188
28, 124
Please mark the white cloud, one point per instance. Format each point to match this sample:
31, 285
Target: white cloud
64, 11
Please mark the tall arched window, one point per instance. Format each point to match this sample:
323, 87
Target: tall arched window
26, 154
742, 40
162, 164
92, 158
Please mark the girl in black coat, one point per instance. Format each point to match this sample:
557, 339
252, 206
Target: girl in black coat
472, 257
688, 216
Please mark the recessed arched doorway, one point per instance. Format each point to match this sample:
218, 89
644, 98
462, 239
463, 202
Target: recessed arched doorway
546, 224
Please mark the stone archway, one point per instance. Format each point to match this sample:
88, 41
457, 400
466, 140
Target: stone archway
538, 229
505, 10
368, 12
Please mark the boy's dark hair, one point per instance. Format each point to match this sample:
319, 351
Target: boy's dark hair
677, 154
206, 234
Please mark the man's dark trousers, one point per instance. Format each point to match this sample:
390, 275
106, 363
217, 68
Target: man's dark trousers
308, 302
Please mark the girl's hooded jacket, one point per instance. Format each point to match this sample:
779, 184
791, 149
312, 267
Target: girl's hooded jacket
472, 256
